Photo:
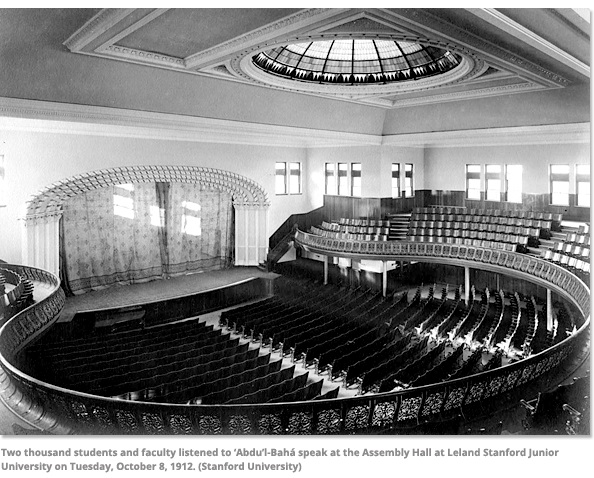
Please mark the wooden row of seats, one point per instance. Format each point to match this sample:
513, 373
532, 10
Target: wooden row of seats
348, 236
364, 222
502, 246
335, 227
547, 216
18, 296
512, 238
532, 227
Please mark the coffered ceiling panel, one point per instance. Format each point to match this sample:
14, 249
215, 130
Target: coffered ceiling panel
496, 54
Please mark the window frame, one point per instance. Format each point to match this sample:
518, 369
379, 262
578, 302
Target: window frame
396, 181
558, 178
342, 190
580, 178
327, 176
2, 180
409, 177
287, 178
474, 175
507, 188
356, 174
493, 176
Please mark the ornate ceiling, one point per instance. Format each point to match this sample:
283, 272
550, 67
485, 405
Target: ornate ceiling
500, 52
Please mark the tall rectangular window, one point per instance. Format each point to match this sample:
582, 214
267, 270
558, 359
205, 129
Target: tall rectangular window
288, 178
2, 203
294, 178
330, 174
473, 181
493, 182
559, 179
280, 185
409, 186
343, 180
356, 179
395, 180
513, 183
582, 185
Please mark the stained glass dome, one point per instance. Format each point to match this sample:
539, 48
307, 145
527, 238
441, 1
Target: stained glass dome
356, 61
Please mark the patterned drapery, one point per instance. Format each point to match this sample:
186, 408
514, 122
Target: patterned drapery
131, 233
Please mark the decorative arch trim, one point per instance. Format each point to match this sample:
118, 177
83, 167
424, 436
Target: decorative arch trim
49, 201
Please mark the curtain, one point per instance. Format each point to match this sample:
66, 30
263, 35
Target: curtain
133, 233
198, 226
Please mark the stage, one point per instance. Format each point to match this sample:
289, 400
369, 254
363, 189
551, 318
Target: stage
159, 290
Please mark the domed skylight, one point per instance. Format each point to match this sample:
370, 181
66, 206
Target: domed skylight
356, 61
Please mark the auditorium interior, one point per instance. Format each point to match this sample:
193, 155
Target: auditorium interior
320, 221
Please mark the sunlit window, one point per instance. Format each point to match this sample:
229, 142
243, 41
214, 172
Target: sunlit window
280, 185
395, 180
473, 181
559, 179
123, 201
329, 172
582, 185
2, 200
288, 178
493, 182
409, 185
343, 180
513, 179
356, 179
294, 178
191, 222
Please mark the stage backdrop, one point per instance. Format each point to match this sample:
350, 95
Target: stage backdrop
136, 232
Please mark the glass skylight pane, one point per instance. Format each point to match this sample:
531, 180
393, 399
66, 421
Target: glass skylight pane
341, 50
319, 49
365, 50
493, 168
298, 48
473, 168
409, 48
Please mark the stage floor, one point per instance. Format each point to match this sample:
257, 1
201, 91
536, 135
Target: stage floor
128, 295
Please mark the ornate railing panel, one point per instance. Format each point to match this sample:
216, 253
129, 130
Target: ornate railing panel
65, 411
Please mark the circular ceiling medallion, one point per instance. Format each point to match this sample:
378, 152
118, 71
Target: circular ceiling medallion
356, 66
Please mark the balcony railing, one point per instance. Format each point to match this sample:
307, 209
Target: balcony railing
65, 411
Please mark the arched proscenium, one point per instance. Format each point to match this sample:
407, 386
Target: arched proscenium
44, 210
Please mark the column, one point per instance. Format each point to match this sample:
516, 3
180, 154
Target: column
384, 278
549, 310
325, 270
466, 284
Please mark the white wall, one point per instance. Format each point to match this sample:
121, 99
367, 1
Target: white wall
445, 167
376, 168
36, 160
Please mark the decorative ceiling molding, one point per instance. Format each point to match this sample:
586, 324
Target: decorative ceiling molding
57, 118
504, 23
42, 116
489, 51
520, 135
105, 34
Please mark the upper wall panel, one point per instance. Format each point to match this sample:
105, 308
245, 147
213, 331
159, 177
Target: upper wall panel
41, 68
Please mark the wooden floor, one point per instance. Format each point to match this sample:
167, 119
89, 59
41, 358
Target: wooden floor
128, 295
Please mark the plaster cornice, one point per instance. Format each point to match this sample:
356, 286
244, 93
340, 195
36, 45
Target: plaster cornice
42, 116
519, 135
47, 117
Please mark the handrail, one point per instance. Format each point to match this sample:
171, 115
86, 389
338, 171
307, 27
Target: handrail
66, 411
523, 266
